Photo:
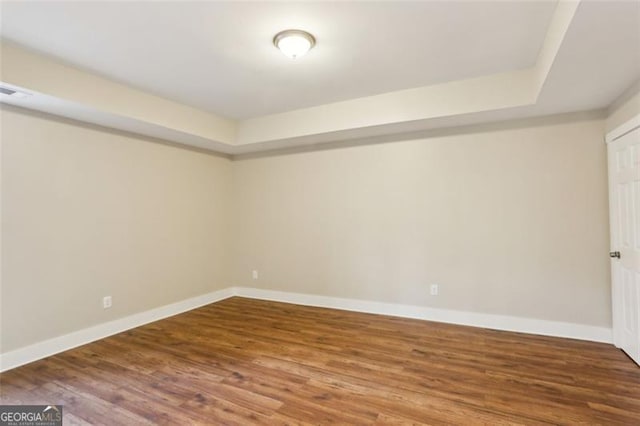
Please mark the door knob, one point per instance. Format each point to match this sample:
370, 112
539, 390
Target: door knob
614, 254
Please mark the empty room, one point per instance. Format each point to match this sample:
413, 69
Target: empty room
305, 213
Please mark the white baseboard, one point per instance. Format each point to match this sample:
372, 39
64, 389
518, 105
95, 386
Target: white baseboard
63, 343
495, 322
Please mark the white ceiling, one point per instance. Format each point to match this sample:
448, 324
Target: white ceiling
599, 57
379, 68
218, 56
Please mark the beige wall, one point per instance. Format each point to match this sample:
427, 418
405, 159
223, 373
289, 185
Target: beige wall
88, 213
506, 220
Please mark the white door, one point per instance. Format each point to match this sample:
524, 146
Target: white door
624, 199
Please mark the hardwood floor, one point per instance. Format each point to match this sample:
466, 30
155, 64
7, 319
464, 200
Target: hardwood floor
243, 361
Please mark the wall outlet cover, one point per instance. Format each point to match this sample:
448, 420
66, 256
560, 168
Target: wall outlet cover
106, 302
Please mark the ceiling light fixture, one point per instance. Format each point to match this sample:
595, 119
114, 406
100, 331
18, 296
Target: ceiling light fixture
294, 43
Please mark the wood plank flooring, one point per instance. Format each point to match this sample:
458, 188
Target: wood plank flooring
242, 361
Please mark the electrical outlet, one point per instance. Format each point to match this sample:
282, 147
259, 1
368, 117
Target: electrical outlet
255, 275
106, 302
434, 289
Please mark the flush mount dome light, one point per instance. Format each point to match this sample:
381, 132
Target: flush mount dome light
294, 43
